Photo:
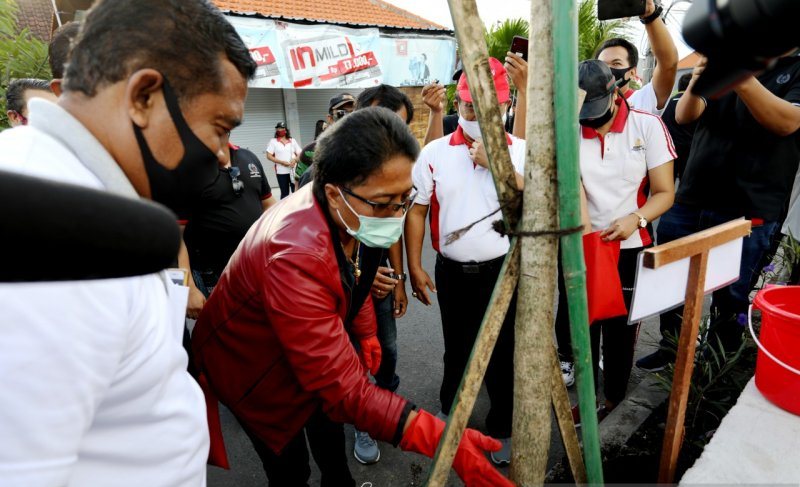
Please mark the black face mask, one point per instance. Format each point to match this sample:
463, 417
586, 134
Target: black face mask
598, 122
619, 75
178, 189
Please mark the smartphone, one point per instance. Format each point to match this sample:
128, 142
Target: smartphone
620, 9
519, 45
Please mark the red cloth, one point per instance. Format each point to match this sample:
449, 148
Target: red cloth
603, 286
271, 340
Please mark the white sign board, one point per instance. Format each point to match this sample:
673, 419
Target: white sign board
662, 289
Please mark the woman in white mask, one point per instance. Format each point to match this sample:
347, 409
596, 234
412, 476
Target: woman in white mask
274, 340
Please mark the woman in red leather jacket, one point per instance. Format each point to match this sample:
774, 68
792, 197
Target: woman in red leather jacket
273, 342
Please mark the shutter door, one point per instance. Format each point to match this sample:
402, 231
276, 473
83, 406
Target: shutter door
263, 109
312, 105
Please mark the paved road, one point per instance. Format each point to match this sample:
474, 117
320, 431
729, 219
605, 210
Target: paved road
420, 369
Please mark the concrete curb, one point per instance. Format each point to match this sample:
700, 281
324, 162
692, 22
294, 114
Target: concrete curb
617, 428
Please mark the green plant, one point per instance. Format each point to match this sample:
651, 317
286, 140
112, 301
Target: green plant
499, 36
21, 54
719, 376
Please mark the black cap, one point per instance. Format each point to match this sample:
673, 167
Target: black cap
595, 78
458, 71
339, 100
280, 125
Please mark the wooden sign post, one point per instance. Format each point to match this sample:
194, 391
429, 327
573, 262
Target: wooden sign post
695, 247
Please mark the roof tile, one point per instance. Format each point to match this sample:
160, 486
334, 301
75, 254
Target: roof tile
37, 16
375, 13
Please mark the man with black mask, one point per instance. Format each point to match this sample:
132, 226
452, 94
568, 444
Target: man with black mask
100, 394
623, 58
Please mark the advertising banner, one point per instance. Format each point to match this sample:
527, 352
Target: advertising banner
259, 36
326, 56
417, 61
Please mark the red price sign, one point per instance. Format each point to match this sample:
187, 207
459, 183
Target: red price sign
262, 55
356, 63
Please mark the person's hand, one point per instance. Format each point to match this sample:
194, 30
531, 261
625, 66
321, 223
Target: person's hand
478, 154
621, 228
649, 8
195, 304
434, 95
420, 283
699, 67
382, 285
400, 300
371, 353
423, 434
517, 68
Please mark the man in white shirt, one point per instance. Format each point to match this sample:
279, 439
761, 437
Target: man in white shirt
94, 388
455, 184
622, 57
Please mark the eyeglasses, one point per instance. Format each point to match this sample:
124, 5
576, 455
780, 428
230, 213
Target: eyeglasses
339, 114
238, 186
384, 207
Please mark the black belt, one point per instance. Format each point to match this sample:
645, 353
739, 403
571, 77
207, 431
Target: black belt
470, 267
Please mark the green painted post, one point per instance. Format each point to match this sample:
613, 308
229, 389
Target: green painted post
565, 41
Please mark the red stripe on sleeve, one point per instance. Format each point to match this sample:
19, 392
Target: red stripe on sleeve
435, 220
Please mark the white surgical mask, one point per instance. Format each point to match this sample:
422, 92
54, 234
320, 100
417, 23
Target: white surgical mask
471, 127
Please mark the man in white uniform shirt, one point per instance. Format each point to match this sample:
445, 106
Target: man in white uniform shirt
94, 388
622, 57
455, 184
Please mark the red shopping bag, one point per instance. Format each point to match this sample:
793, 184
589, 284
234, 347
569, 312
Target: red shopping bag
603, 286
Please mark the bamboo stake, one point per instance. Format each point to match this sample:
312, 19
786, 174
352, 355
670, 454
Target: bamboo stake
475, 59
537, 284
476, 368
566, 424
469, 32
565, 33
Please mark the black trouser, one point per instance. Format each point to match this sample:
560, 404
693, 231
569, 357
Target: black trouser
563, 336
729, 304
290, 468
619, 338
464, 291
285, 183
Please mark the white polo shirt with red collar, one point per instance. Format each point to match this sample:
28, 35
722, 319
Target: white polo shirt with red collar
614, 167
644, 99
460, 192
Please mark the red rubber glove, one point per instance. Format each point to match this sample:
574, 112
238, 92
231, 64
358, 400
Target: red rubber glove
371, 354
423, 435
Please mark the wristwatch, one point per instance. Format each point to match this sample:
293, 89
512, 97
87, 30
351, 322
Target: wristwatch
652, 17
642, 219
399, 277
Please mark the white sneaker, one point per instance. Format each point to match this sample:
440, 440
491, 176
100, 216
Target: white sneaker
568, 373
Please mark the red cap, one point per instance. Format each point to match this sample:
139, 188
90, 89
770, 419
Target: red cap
499, 76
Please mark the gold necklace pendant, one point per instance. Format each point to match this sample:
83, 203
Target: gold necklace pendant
355, 264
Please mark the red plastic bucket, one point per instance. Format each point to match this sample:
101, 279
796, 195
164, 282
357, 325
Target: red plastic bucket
778, 362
